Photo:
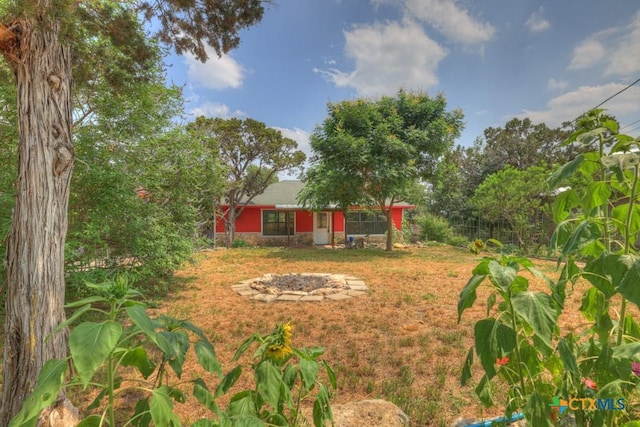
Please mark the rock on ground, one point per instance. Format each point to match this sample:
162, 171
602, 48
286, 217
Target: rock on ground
64, 414
376, 412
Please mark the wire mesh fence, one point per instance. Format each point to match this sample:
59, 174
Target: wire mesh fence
537, 233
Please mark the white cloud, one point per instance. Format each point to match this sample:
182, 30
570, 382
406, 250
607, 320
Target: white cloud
587, 54
214, 109
302, 138
448, 18
570, 105
537, 22
216, 73
388, 56
298, 135
554, 84
625, 57
617, 49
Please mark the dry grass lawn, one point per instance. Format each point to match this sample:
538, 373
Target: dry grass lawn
401, 342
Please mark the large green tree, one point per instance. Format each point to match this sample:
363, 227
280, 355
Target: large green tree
40, 40
456, 178
251, 156
381, 148
517, 197
122, 142
522, 144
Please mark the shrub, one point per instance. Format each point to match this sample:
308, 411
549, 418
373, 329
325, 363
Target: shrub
457, 240
407, 231
239, 243
398, 235
434, 228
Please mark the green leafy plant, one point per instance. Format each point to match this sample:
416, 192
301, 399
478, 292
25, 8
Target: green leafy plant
595, 239
434, 228
281, 385
598, 224
126, 338
516, 336
239, 243
127, 352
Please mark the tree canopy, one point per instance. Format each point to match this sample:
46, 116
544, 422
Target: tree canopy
520, 198
377, 149
522, 144
251, 156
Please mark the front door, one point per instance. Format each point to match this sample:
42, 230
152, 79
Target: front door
321, 228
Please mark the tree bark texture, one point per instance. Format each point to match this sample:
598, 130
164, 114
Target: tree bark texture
35, 246
390, 228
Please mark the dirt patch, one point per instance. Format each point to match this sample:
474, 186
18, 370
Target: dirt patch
294, 282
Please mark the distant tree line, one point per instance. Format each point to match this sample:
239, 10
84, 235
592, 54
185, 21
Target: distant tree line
502, 179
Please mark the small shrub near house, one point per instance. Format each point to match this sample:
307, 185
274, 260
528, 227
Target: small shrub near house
434, 228
239, 243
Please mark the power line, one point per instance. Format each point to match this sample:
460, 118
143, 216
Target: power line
608, 99
630, 124
634, 128
615, 94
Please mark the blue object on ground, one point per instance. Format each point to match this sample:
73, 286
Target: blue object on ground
513, 418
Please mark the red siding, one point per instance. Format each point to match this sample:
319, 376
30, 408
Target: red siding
251, 221
304, 222
396, 216
338, 222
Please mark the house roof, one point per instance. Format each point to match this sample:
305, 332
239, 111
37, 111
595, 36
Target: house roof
283, 195
279, 193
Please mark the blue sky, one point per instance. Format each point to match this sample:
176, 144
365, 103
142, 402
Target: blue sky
494, 59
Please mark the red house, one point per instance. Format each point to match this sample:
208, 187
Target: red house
276, 218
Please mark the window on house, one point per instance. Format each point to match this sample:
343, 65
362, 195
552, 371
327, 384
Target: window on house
364, 222
276, 223
323, 220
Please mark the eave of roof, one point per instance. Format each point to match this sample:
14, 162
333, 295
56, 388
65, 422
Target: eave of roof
284, 195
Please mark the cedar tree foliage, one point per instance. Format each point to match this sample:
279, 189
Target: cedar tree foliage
43, 42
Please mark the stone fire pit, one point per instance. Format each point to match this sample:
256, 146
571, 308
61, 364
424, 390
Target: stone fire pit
301, 287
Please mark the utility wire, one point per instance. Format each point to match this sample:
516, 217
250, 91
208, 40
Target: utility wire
616, 94
630, 124
608, 99
633, 128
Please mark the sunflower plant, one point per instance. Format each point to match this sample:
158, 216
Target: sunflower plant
121, 352
285, 377
594, 370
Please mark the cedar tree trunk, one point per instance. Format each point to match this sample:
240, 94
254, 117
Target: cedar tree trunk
35, 246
